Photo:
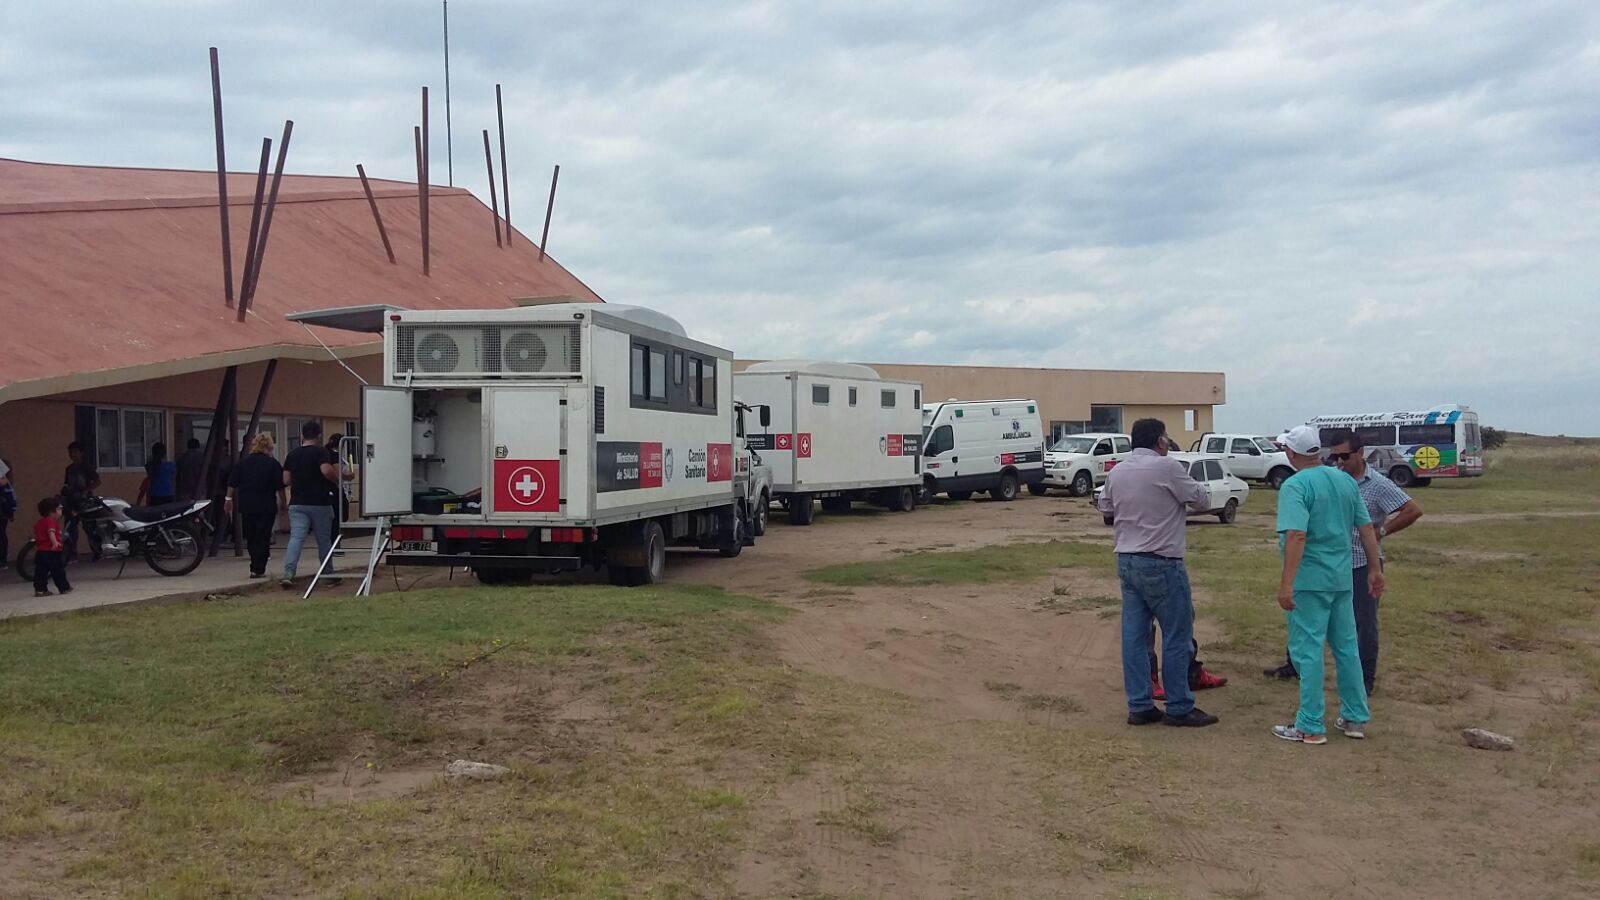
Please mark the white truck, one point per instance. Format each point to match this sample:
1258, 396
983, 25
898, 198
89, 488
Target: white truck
982, 445
1250, 456
547, 438
1078, 462
835, 432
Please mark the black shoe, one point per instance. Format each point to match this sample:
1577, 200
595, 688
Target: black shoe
1372, 688
1284, 671
1148, 717
1194, 718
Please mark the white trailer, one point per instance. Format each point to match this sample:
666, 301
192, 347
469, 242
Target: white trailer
547, 438
838, 433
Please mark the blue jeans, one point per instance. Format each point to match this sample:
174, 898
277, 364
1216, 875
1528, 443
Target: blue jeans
1155, 589
303, 519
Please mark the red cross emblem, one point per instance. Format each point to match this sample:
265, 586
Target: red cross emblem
785, 442
803, 445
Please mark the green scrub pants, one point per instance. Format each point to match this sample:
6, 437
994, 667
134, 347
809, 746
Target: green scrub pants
1327, 617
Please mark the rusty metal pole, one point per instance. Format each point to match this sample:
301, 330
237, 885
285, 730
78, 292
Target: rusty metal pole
261, 401
222, 180
249, 295
548, 209
217, 444
376, 217
427, 177
422, 197
505, 179
255, 216
494, 205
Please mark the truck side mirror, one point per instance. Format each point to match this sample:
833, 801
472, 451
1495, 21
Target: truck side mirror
766, 416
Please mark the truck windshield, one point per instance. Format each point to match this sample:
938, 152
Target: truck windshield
1074, 444
1266, 445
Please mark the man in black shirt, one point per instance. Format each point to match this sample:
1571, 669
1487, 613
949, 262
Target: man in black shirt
191, 464
310, 475
80, 481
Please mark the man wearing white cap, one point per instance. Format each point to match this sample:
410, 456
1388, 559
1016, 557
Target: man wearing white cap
1317, 508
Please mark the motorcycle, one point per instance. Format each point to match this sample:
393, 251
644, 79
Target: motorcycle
169, 536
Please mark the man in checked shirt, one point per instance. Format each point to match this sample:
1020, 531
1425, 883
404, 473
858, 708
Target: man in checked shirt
1391, 510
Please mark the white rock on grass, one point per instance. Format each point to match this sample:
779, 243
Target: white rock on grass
1483, 739
477, 771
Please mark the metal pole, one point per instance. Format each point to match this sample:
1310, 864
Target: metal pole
261, 400
548, 209
427, 178
373, 203
235, 524
449, 136
217, 444
249, 295
505, 179
494, 205
422, 197
255, 218
222, 180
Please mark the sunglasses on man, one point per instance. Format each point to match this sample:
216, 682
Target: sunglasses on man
1341, 457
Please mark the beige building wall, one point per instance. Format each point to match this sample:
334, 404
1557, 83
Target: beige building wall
34, 433
1185, 401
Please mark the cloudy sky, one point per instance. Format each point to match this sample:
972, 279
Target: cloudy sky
1343, 206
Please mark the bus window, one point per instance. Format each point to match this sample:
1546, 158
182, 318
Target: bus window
1376, 435
1427, 434
1325, 435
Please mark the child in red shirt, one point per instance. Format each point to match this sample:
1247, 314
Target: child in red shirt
49, 557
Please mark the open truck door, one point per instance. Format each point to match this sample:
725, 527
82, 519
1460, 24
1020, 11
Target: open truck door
386, 458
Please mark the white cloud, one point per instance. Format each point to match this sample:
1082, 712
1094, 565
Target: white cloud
1340, 205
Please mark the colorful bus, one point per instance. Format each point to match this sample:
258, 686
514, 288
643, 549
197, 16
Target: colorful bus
1443, 442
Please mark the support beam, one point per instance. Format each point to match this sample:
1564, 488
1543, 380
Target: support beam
249, 293
494, 205
427, 177
422, 197
372, 202
505, 179
222, 180
255, 216
548, 209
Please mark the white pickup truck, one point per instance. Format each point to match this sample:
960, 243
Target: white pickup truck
1249, 456
1078, 462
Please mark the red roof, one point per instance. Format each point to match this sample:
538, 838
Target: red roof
107, 269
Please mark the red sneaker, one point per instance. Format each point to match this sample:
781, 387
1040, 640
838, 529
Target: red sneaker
1208, 680
1156, 692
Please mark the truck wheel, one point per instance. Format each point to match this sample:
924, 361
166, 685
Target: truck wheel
1082, 484
836, 504
1006, 490
1278, 476
1230, 510
732, 543
960, 495
1038, 490
800, 509
903, 499
25, 560
652, 542
759, 516
925, 493
1402, 476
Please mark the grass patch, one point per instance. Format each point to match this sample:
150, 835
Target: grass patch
1003, 563
156, 738
1055, 703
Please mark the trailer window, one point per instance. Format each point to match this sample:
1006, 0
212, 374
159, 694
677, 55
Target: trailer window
888, 399
819, 394
1376, 435
658, 375
638, 371
706, 371
677, 367
852, 396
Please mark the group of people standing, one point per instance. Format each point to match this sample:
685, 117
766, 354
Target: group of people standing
1332, 516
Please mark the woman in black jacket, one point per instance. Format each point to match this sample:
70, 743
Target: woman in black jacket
255, 487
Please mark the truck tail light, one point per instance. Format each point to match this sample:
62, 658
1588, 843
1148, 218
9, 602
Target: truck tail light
564, 535
408, 533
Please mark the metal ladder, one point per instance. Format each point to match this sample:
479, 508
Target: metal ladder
379, 530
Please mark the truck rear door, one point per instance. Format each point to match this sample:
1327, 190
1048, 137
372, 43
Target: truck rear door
527, 432
386, 451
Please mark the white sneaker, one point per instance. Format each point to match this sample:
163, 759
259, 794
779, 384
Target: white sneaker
1353, 730
1291, 733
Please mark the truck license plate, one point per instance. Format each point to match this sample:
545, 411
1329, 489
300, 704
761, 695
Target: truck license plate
417, 546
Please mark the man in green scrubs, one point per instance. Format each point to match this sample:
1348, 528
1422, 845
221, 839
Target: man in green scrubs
1317, 509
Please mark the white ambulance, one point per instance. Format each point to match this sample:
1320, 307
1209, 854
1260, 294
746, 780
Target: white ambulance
981, 445
838, 434
547, 438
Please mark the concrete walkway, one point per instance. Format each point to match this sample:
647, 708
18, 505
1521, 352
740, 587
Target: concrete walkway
94, 584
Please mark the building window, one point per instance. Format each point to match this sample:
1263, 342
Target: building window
1060, 429
1190, 418
295, 425
819, 395
852, 396
122, 436
1105, 418
888, 400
